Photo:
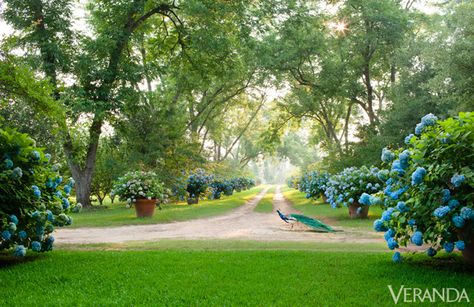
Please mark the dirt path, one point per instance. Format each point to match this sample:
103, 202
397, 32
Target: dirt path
242, 223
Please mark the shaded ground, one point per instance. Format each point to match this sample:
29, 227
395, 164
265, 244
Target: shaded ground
242, 223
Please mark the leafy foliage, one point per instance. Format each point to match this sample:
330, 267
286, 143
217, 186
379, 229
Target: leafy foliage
435, 178
140, 185
33, 196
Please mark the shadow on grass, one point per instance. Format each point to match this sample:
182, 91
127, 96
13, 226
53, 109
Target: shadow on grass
8, 260
441, 263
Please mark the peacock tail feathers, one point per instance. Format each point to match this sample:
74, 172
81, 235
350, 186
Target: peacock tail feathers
313, 223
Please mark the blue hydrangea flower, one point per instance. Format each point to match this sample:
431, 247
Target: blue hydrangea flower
467, 213
402, 207
389, 234
458, 221
17, 173
431, 252
387, 214
441, 211
351, 200
36, 215
448, 247
47, 157
12, 227
14, 219
387, 155
429, 120
58, 180
71, 182
20, 251
392, 244
36, 192
419, 128
59, 194
65, 203
460, 245
6, 235
404, 158
446, 195
36, 246
418, 175
397, 257
22, 234
417, 238
374, 200
35, 155
408, 138
453, 203
412, 222
364, 199
8, 163
457, 180
379, 226
383, 174
398, 168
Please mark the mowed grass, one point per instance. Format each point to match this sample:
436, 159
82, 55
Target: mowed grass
221, 278
117, 214
265, 205
321, 210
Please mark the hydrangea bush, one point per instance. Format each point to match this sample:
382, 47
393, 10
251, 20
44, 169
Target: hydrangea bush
429, 187
197, 184
140, 185
313, 184
352, 188
34, 198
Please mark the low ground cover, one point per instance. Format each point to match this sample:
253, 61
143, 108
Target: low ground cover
266, 204
323, 211
117, 214
222, 275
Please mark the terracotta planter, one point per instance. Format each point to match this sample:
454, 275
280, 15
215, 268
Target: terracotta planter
363, 213
145, 207
192, 201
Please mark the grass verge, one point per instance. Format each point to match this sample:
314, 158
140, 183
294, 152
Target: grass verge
266, 203
321, 210
117, 214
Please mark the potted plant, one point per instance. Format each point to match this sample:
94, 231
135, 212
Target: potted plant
351, 187
429, 190
142, 189
196, 185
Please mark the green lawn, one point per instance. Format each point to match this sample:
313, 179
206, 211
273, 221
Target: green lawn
266, 204
203, 276
338, 217
117, 214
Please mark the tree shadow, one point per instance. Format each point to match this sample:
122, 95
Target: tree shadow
441, 263
7, 260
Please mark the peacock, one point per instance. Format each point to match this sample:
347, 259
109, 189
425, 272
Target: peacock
308, 221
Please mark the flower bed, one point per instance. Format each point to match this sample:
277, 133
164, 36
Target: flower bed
34, 198
429, 188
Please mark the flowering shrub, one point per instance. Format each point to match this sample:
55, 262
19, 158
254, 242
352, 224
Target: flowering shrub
33, 196
197, 184
140, 185
428, 189
242, 183
313, 184
352, 186
218, 187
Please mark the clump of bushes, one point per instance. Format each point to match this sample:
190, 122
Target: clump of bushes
34, 198
352, 188
313, 184
429, 188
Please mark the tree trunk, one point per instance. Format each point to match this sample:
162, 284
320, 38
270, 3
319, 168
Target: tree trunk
83, 189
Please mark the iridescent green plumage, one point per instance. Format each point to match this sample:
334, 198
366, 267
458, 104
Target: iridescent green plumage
313, 223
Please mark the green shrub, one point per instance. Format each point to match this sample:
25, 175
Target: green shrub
33, 196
